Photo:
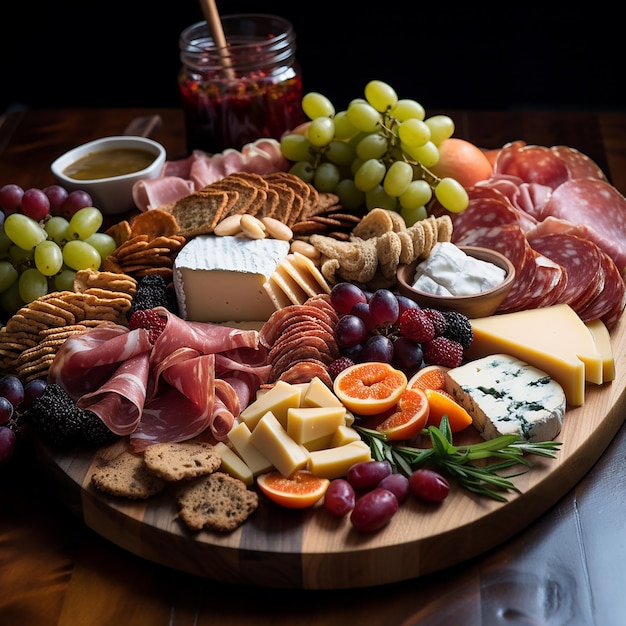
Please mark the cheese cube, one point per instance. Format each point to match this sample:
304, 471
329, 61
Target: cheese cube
307, 424
272, 440
239, 437
279, 399
234, 464
344, 435
318, 393
335, 462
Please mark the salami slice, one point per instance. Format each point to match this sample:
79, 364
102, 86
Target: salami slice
579, 165
533, 164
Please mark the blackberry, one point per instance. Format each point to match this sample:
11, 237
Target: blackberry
153, 291
95, 432
458, 328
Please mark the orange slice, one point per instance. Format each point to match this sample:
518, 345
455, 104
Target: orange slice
409, 419
298, 491
370, 388
442, 403
429, 377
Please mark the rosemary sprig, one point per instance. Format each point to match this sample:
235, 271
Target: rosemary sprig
459, 461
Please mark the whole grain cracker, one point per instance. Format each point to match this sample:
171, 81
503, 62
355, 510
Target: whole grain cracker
182, 460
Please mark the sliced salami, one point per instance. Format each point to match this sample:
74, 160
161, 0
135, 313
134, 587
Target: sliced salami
532, 164
579, 165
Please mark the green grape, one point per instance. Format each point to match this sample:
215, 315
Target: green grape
369, 174
10, 299
372, 146
24, 231
363, 116
350, 197
103, 243
303, 170
8, 275
84, 223
5, 242
32, 284
57, 228
20, 257
398, 178
427, 155
296, 147
414, 133
343, 128
377, 198
340, 152
413, 215
326, 177
321, 131
315, 104
452, 195
355, 165
408, 109
48, 258
64, 280
419, 193
441, 127
78, 255
380, 95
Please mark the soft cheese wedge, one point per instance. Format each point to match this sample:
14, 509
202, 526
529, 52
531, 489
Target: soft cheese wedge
505, 395
553, 339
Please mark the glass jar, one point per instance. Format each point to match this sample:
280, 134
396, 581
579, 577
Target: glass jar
256, 93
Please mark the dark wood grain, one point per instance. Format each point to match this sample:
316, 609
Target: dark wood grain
567, 567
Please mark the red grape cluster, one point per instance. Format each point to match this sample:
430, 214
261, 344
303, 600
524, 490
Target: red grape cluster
381, 492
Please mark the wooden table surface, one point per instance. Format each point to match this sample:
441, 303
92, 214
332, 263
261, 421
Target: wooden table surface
566, 568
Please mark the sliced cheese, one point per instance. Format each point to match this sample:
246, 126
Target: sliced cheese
295, 294
553, 339
222, 278
602, 339
233, 464
309, 269
272, 440
279, 399
239, 437
335, 462
505, 396
307, 424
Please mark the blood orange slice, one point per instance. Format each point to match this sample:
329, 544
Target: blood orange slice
370, 388
429, 377
299, 491
442, 403
409, 418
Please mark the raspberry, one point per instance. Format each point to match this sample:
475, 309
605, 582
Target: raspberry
438, 320
150, 320
417, 325
443, 351
338, 365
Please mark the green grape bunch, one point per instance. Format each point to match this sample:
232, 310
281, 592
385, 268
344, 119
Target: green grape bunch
375, 153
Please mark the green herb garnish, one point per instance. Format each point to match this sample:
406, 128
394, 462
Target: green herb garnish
458, 461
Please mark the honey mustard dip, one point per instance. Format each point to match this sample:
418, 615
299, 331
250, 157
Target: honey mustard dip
109, 163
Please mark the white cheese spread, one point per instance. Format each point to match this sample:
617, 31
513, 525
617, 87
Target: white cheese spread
448, 271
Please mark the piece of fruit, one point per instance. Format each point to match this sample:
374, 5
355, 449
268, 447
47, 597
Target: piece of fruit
429, 377
301, 490
409, 419
429, 485
441, 403
374, 510
370, 388
462, 161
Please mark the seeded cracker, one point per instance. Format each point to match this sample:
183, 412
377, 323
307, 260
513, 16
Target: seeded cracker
181, 461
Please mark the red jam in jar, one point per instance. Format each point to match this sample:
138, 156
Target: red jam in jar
252, 89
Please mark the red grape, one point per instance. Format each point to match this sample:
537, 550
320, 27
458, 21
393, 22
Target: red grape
350, 331
57, 196
344, 296
367, 474
362, 310
407, 354
384, 307
377, 348
6, 410
339, 498
398, 484
10, 197
429, 485
35, 204
374, 510
7, 444
12, 389
32, 390
75, 201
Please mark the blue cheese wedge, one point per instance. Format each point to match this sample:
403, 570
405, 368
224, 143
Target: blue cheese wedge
218, 279
505, 395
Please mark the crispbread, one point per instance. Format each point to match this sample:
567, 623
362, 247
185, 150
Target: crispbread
199, 212
182, 460
216, 501
127, 476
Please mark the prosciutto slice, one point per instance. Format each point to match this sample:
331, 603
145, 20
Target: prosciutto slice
196, 376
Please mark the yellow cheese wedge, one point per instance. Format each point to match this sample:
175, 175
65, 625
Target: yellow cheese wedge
344, 435
318, 393
553, 339
279, 399
335, 462
234, 464
306, 424
272, 440
239, 437
602, 339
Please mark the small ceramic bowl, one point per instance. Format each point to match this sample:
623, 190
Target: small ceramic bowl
111, 194
480, 305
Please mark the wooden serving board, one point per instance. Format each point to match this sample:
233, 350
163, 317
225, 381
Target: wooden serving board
309, 549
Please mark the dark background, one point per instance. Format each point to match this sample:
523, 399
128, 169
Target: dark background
92, 54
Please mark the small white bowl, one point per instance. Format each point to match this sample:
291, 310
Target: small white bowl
112, 195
